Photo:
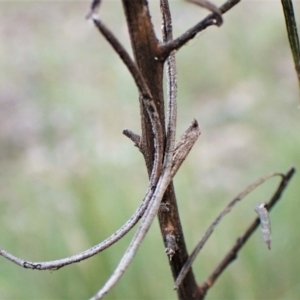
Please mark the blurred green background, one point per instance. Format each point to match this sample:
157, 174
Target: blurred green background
68, 178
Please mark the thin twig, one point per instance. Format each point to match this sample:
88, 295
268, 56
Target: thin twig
190, 34
125, 57
147, 220
168, 173
133, 136
232, 254
57, 264
211, 228
144, 90
171, 78
168, 159
93, 9
145, 95
211, 7
160, 180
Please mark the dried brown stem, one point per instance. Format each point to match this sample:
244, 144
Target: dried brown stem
169, 219
146, 99
133, 136
241, 241
129, 63
190, 33
116, 236
93, 8
211, 228
210, 6
145, 48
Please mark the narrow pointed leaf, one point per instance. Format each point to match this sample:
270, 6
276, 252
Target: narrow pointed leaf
292, 31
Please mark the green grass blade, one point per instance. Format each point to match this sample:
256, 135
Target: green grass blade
293, 36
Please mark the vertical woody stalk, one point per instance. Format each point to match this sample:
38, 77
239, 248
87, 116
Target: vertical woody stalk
146, 51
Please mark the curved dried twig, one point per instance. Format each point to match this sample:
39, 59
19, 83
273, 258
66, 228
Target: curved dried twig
211, 7
177, 43
211, 228
148, 218
171, 75
165, 178
57, 264
145, 96
232, 254
156, 126
93, 8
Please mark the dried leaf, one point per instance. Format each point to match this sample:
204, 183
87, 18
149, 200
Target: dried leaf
265, 223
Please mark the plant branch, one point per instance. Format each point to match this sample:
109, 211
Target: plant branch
134, 137
211, 7
170, 169
158, 141
232, 254
57, 264
168, 214
125, 57
171, 76
93, 8
172, 165
148, 218
190, 34
211, 228
184, 145
145, 96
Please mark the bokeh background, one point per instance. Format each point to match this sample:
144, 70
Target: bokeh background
69, 178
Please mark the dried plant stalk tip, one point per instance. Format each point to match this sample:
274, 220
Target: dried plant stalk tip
195, 123
93, 10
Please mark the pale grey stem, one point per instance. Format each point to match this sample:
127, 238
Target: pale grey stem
150, 214
177, 43
182, 150
163, 179
171, 76
158, 135
57, 264
211, 228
